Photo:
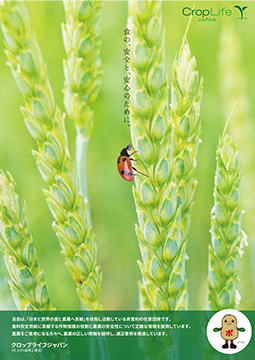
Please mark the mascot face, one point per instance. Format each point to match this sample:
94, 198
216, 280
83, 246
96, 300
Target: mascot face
229, 320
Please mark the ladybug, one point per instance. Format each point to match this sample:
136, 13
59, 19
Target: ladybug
125, 167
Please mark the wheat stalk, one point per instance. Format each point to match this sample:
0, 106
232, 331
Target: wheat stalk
46, 124
28, 284
227, 237
186, 96
83, 73
159, 217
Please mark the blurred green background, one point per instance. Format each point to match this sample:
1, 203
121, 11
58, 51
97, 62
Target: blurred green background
111, 200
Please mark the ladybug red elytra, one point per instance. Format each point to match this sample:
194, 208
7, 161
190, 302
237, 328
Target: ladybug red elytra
125, 167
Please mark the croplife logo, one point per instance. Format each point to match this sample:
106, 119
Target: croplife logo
241, 12
211, 14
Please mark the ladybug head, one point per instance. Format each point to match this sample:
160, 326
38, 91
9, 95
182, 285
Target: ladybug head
126, 151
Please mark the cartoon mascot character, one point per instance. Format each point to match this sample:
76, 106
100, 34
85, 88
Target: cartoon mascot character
229, 330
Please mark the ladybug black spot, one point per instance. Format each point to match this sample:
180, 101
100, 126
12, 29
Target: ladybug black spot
118, 160
130, 174
124, 160
123, 172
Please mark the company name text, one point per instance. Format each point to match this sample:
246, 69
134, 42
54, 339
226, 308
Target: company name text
187, 11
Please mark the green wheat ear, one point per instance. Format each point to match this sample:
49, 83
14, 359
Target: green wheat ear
233, 87
227, 237
46, 125
186, 94
159, 216
28, 284
83, 70
83, 73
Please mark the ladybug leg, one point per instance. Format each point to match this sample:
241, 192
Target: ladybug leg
139, 172
133, 153
134, 159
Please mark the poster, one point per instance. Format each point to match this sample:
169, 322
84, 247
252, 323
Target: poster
175, 81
